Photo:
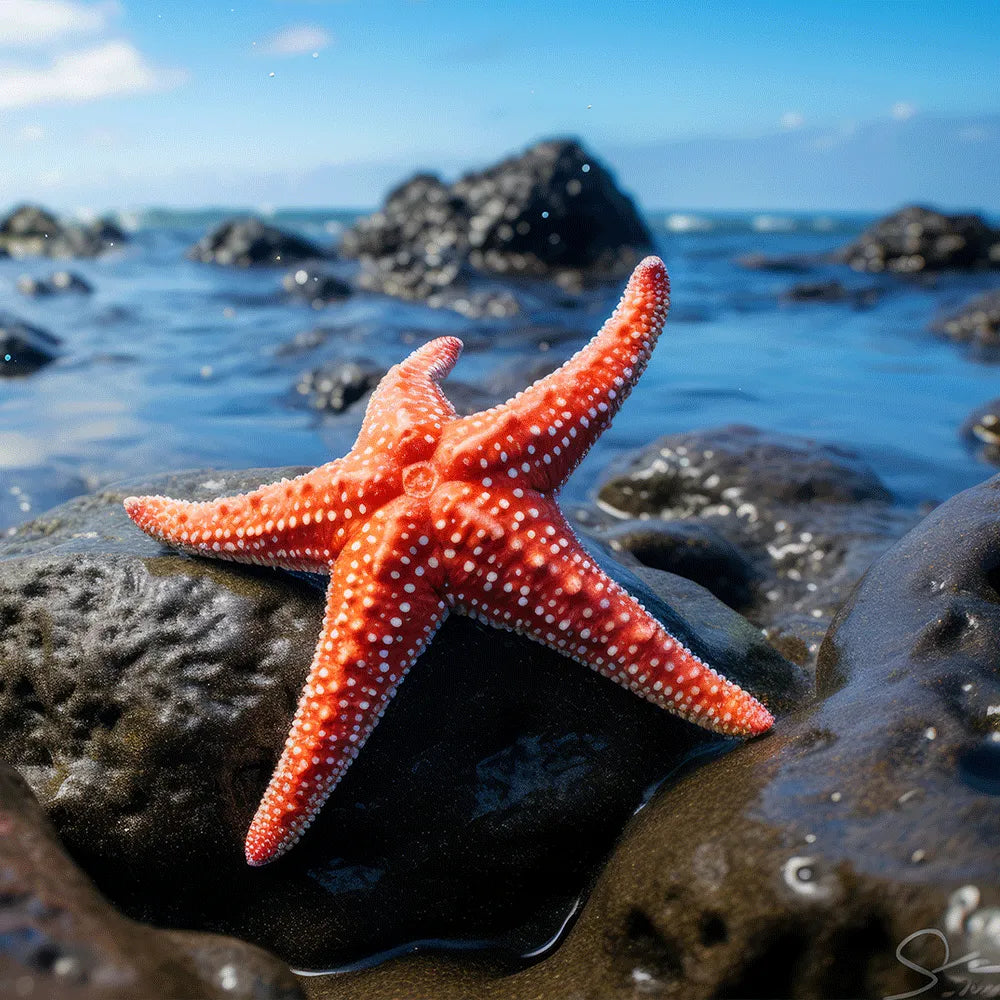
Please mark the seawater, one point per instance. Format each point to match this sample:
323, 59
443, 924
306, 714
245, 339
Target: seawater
172, 364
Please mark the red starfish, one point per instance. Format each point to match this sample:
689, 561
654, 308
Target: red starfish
431, 513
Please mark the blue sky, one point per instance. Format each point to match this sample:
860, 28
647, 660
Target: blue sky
110, 102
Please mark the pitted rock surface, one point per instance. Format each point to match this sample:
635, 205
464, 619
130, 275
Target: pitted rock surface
146, 696
809, 517
60, 939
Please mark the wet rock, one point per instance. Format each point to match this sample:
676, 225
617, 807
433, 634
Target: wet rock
315, 288
57, 283
981, 431
24, 348
830, 291
61, 939
690, 549
553, 212
333, 387
976, 322
33, 231
553, 208
250, 242
809, 517
784, 265
304, 341
146, 695
796, 865
917, 238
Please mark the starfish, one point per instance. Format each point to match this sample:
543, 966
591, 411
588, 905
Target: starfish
431, 513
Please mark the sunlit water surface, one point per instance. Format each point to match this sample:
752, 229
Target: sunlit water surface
171, 364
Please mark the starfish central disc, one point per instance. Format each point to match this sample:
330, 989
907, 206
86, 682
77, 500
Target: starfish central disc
431, 513
419, 480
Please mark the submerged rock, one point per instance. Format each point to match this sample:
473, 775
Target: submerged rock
33, 231
554, 212
146, 696
315, 288
981, 431
830, 291
788, 264
796, 865
25, 348
250, 242
335, 386
917, 238
976, 322
61, 939
59, 282
809, 517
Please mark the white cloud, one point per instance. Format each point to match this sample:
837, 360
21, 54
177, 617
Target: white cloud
104, 70
30, 133
298, 40
792, 119
903, 111
37, 23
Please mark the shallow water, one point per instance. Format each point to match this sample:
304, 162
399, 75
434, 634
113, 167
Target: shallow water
171, 364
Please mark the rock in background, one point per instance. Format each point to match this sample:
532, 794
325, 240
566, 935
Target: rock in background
32, 231
917, 238
977, 322
250, 243
981, 431
554, 213
25, 348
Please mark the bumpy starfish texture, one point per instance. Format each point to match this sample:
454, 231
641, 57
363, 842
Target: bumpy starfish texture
431, 513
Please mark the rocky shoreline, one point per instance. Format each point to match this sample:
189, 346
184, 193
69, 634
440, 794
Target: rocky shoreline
125, 668
518, 827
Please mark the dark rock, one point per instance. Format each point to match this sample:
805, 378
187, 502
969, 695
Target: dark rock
32, 231
916, 239
809, 517
146, 695
57, 283
981, 431
333, 387
61, 939
796, 865
304, 341
815, 291
553, 208
690, 549
830, 291
419, 212
314, 287
553, 212
784, 265
250, 242
976, 322
691, 473
24, 348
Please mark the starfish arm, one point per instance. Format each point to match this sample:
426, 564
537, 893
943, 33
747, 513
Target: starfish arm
535, 578
542, 434
375, 627
299, 523
408, 408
